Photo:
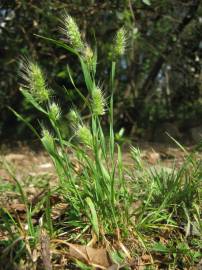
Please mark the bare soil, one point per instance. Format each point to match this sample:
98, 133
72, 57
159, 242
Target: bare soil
32, 161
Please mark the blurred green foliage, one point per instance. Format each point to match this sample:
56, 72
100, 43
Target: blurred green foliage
159, 78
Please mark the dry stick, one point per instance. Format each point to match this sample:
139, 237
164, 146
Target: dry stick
45, 250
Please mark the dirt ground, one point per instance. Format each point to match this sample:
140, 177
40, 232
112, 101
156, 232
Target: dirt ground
31, 160
30, 165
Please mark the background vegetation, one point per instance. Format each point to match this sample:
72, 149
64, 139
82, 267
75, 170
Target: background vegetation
159, 79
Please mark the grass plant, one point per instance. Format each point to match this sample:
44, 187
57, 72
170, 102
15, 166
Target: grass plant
99, 191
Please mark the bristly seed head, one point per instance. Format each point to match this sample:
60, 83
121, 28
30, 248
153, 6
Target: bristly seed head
98, 102
48, 140
85, 136
35, 81
120, 43
72, 32
54, 111
46, 134
74, 116
89, 57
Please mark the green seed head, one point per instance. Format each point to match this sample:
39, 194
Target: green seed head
72, 32
73, 116
120, 43
46, 135
54, 111
85, 136
98, 102
48, 140
35, 81
89, 57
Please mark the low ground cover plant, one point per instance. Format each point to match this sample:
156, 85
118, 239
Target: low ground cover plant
127, 212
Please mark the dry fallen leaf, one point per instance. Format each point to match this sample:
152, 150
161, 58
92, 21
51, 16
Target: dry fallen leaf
146, 258
58, 210
153, 157
16, 207
94, 257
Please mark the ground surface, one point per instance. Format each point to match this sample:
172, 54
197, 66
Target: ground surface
33, 168
29, 163
32, 161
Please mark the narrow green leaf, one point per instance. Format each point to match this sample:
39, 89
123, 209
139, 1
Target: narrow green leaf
158, 247
25, 121
77, 90
120, 162
177, 143
87, 76
94, 218
59, 44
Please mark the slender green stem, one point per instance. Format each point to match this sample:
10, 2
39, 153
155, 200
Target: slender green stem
111, 111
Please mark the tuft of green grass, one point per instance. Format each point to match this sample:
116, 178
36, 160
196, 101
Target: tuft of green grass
99, 189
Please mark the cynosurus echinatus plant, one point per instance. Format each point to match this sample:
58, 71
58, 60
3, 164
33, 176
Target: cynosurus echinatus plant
99, 192
98, 196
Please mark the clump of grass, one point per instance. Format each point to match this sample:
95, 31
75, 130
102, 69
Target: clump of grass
99, 191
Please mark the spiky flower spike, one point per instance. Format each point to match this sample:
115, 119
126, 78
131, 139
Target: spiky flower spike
35, 81
98, 101
48, 141
85, 136
72, 32
89, 57
120, 43
54, 111
74, 116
